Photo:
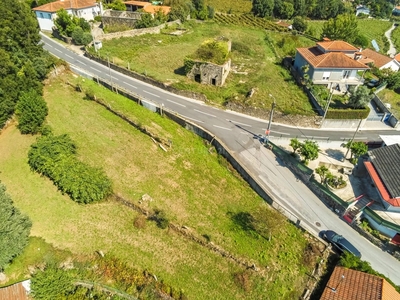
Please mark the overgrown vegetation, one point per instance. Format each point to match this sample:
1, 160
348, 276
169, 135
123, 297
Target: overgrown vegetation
72, 26
308, 150
24, 64
188, 167
54, 157
14, 229
31, 111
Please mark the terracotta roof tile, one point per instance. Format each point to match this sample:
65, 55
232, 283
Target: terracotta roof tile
337, 46
154, 8
13, 292
65, 4
378, 58
138, 3
397, 57
357, 285
338, 60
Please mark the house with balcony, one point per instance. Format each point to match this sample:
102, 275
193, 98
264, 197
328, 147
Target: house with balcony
86, 9
334, 64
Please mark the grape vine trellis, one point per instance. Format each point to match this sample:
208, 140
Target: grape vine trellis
248, 21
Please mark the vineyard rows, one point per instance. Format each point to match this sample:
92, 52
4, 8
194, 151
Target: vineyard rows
247, 20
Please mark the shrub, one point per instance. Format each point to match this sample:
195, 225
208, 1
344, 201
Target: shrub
80, 37
31, 111
97, 18
54, 157
14, 229
160, 218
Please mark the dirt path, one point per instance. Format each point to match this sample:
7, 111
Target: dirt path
392, 50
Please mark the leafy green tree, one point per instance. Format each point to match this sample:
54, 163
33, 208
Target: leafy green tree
309, 151
322, 171
63, 21
360, 97
300, 8
343, 27
146, 21
295, 144
357, 148
262, 8
14, 229
117, 5
51, 283
31, 111
361, 41
80, 37
299, 24
286, 10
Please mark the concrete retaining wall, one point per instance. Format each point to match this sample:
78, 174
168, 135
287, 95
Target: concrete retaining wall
348, 124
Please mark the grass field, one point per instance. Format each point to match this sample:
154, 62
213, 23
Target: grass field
255, 65
187, 182
393, 98
230, 6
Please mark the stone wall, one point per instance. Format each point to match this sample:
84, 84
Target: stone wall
209, 73
135, 32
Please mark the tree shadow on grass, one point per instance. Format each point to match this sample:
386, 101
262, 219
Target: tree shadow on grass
244, 220
180, 71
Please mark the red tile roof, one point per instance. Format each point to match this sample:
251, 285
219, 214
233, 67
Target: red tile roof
380, 185
66, 4
13, 292
357, 285
397, 57
152, 9
138, 3
333, 60
336, 46
379, 59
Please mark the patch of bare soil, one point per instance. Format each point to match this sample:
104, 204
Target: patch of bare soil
292, 120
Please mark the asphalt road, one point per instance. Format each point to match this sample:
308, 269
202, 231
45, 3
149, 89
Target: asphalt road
239, 132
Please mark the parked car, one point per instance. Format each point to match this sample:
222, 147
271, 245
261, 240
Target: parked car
373, 83
340, 242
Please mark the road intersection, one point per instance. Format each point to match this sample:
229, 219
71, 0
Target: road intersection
240, 133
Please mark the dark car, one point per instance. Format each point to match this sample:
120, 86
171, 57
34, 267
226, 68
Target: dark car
373, 83
340, 242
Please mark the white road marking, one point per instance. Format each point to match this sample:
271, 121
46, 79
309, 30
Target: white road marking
130, 85
175, 103
222, 127
69, 56
58, 50
204, 113
360, 138
235, 122
151, 94
284, 133
93, 68
321, 137
82, 63
192, 119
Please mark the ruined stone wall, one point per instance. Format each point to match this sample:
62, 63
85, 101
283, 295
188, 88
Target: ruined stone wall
120, 18
209, 73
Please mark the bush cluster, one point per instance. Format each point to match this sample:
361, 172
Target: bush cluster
55, 157
343, 114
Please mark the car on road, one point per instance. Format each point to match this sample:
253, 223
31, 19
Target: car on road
373, 83
340, 242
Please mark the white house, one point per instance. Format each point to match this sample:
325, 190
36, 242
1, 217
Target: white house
86, 9
379, 60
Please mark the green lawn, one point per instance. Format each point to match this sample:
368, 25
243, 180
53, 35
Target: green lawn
187, 182
393, 98
255, 62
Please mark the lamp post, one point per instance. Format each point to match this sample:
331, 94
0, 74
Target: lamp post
337, 286
270, 119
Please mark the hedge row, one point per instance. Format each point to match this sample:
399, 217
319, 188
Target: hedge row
55, 158
349, 113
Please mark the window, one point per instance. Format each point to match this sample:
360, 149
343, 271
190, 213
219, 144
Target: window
41, 15
326, 75
346, 74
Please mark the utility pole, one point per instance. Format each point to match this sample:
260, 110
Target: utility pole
270, 119
351, 141
327, 107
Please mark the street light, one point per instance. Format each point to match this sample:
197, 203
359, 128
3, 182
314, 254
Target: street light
270, 119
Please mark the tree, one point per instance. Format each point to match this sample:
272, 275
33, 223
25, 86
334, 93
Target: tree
51, 283
14, 229
299, 24
262, 8
309, 151
357, 148
360, 97
146, 21
322, 171
31, 111
295, 144
343, 27
63, 21
117, 5
80, 37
